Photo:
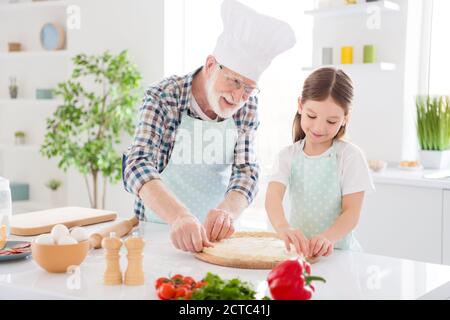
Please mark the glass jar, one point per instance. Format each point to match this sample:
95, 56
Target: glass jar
5, 206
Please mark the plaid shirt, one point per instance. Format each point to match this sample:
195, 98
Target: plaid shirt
160, 116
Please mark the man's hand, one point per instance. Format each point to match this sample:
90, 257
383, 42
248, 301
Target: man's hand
188, 234
219, 225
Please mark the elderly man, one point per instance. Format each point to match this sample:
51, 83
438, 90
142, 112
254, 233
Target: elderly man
193, 156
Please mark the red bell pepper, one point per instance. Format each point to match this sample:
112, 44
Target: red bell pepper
291, 280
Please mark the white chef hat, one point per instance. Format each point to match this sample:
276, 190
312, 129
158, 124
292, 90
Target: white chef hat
250, 41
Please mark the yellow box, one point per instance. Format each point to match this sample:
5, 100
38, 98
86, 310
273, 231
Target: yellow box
347, 55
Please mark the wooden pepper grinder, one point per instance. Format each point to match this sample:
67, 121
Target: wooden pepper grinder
134, 275
113, 274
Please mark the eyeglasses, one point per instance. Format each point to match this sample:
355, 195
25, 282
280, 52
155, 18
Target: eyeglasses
237, 84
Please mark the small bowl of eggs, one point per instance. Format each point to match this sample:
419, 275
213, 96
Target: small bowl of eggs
61, 248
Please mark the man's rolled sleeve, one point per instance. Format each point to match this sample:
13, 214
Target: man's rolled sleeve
245, 170
141, 159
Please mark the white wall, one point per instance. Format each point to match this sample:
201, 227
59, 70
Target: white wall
114, 25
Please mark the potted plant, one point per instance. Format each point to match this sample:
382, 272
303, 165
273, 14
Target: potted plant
99, 106
20, 137
13, 88
433, 130
53, 185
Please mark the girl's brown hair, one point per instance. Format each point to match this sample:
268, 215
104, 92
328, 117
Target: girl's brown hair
320, 85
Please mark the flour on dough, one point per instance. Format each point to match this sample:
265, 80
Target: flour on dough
251, 248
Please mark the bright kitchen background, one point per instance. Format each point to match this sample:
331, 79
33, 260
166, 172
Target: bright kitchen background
404, 218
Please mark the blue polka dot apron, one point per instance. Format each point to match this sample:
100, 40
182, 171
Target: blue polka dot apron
315, 196
199, 168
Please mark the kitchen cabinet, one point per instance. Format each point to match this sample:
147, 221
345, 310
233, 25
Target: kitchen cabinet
402, 221
407, 217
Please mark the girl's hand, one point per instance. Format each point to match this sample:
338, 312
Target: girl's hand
320, 246
295, 236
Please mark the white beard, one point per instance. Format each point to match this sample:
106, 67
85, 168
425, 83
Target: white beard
213, 98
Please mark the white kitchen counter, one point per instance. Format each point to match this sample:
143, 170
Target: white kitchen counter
349, 275
414, 178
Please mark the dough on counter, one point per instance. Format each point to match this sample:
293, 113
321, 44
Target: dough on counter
252, 246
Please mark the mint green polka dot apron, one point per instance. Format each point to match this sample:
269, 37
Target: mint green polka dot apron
315, 196
199, 168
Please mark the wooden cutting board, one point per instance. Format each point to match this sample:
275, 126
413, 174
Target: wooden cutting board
39, 222
244, 259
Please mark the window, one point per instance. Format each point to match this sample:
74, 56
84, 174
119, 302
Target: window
439, 66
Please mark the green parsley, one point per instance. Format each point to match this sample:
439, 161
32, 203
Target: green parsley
219, 289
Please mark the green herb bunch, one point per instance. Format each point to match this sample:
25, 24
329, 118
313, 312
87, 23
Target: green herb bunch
219, 289
433, 122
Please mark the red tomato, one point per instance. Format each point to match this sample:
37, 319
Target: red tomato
188, 280
200, 284
188, 295
188, 287
177, 279
166, 291
181, 292
160, 281
177, 276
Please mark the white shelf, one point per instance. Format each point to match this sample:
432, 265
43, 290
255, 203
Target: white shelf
387, 6
380, 66
28, 63
8, 7
28, 102
34, 54
12, 147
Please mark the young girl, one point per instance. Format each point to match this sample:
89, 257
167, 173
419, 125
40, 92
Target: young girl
326, 176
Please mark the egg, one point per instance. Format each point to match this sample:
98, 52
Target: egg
66, 240
79, 234
45, 239
59, 231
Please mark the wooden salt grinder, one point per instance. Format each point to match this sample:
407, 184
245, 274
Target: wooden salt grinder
113, 274
134, 275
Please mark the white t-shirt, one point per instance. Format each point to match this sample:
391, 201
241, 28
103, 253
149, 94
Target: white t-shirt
354, 172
